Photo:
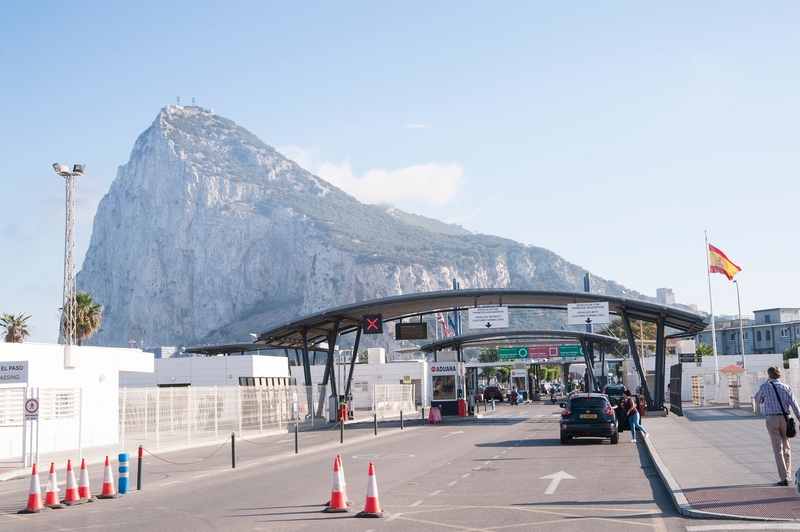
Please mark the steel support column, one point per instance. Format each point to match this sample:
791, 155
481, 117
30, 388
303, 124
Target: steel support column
329, 363
589, 384
661, 364
635, 353
353, 361
306, 366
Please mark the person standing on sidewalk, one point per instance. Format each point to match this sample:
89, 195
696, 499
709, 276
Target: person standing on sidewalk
768, 394
629, 406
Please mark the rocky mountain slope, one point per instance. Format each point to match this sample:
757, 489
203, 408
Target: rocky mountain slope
208, 234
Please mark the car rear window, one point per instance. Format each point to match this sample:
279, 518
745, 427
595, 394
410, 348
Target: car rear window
587, 402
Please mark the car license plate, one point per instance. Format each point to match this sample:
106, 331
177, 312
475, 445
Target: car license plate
588, 416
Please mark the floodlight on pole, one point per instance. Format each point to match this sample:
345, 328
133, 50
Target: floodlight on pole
68, 314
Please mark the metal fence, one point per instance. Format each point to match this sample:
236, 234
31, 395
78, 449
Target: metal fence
179, 417
175, 417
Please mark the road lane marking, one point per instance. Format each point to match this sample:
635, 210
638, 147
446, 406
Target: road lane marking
465, 476
437, 492
454, 482
555, 479
417, 503
504, 452
495, 457
749, 526
201, 476
487, 463
168, 483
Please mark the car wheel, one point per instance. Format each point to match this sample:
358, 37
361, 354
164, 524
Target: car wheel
565, 439
615, 438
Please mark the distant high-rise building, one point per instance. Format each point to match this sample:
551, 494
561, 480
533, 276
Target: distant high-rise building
665, 296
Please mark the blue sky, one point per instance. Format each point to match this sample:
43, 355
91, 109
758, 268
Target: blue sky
613, 134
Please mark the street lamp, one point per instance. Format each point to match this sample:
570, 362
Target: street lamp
68, 309
741, 334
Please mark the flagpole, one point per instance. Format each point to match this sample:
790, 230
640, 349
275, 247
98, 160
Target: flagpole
713, 327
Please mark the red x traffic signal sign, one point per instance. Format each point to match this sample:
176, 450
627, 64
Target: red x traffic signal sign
372, 324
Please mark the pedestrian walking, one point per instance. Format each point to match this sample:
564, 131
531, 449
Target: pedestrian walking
778, 398
629, 405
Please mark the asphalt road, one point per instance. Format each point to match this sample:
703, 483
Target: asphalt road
506, 472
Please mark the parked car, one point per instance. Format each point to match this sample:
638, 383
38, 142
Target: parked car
615, 397
588, 415
492, 392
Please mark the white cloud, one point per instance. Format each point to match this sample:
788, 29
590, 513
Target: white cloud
419, 126
433, 184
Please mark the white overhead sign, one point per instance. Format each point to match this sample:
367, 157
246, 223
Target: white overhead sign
488, 318
13, 372
588, 313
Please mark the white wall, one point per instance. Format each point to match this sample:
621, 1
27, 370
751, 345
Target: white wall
208, 371
390, 373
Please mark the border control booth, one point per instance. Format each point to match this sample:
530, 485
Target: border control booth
446, 376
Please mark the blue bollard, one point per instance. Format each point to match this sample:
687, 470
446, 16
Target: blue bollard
124, 485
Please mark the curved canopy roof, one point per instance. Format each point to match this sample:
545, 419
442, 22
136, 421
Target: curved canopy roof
514, 338
320, 325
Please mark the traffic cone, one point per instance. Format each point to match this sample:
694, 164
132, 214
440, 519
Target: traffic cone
51, 497
338, 504
34, 495
344, 481
108, 483
71, 496
84, 491
372, 508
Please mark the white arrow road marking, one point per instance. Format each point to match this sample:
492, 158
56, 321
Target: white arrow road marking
451, 433
556, 478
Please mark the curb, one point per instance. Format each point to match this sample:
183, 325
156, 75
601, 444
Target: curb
680, 500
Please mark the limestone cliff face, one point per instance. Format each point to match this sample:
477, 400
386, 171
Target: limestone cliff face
208, 234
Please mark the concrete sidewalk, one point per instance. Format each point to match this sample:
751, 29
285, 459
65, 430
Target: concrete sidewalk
718, 462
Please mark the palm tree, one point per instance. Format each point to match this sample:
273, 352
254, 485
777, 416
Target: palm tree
15, 326
88, 316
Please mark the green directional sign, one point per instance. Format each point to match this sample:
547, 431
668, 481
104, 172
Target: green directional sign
569, 351
512, 353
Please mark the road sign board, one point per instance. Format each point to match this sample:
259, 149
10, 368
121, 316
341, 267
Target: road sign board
588, 313
32, 410
543, 351
488, 318
570, 351
13, 372
512, 353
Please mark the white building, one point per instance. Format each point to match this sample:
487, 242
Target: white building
78, 393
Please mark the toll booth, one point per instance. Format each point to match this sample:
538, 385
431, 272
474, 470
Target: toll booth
519, 379
447, 386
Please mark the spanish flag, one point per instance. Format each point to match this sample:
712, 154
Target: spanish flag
719, 263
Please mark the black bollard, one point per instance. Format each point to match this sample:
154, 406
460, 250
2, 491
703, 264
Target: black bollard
375, 417
401, 420
139, 471
341, 431
423, 415
233, 450
296, 440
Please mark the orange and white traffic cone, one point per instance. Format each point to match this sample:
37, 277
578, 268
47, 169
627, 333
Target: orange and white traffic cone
34, 495
51, 497
84, 491
108, 483
372, 508
338, 504
71, 496
344, 481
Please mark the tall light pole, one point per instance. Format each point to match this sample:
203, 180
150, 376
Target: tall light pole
741, 335
68, 309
